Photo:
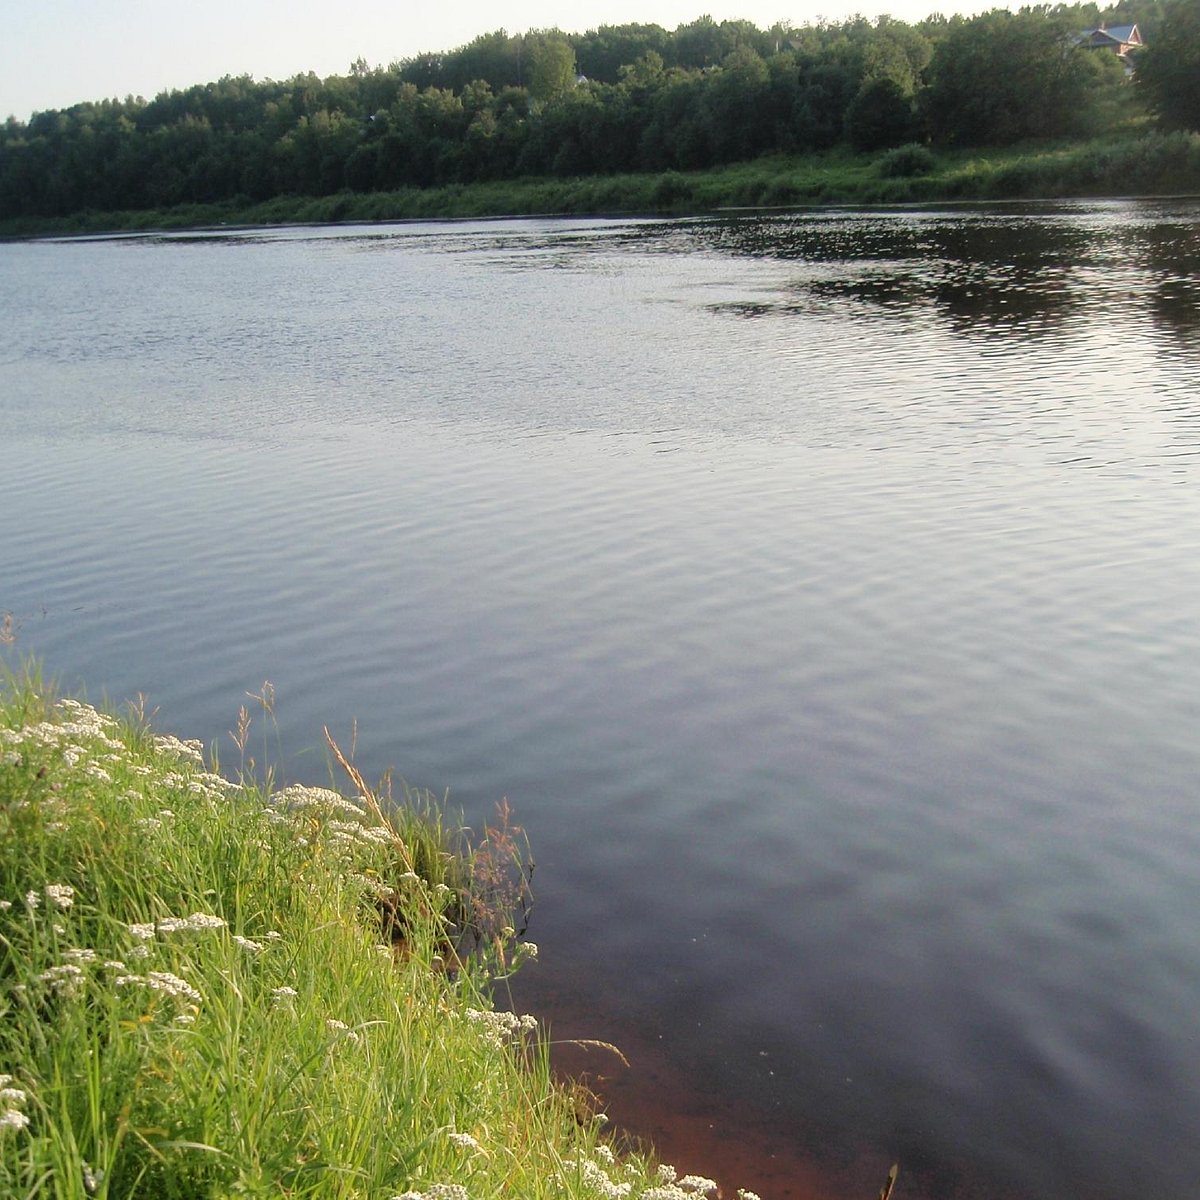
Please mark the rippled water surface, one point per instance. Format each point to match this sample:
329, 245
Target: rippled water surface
822, 590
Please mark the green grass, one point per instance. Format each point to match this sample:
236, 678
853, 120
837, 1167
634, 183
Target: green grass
1135, 162
200, 995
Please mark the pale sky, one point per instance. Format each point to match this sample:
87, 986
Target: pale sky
54, 53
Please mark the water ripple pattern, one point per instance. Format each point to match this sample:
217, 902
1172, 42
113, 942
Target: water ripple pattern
822, 589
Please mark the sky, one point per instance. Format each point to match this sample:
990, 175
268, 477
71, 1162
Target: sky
55, 53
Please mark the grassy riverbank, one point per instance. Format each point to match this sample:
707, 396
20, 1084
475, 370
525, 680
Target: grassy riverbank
208, 989
1138, 164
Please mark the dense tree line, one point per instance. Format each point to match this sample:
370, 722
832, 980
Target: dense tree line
619, 98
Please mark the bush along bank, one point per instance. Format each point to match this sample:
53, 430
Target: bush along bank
211, 989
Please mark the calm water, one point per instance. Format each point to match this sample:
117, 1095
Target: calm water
823, 591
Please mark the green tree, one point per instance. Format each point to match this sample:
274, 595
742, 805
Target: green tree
881, 115
551, 66
1168, 70
1004, 76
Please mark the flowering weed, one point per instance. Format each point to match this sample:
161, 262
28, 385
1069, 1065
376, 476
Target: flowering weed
201, 995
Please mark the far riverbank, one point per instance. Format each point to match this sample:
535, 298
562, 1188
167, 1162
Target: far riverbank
1143, 165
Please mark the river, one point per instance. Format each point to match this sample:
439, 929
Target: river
821, 589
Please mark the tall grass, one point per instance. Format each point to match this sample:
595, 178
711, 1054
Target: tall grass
208, 989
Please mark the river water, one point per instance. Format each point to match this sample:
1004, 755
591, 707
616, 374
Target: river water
822, 590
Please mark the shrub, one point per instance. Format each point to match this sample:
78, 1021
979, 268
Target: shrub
906, 161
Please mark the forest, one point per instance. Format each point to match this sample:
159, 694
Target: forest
624, 98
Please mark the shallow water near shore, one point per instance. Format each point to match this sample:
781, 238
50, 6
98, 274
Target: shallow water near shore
822, 590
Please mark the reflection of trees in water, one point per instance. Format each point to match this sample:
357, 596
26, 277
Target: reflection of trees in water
1007, 300
985, 275
1169, 252
1175, 308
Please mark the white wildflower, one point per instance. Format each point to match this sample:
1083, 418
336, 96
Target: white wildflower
32, 900
5, 905
147, 823
341, 1028
113, 964
185, 1019
61, 895
13, 1097
605, 1155
140, 951
597, 1180
696, 1183
410, 877
97, 772
10, 758
5, 1080
196, 921
746, 1194
143, 932
498, 1027
191, 749
13, 1119
80, 954
667, 1173
465, 1140
247, 944
93, 1177
272, 935
164, 981
284, 994
67, 978
446, 1191
530, 949
296, 798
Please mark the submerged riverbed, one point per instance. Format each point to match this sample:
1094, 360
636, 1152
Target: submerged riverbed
822, 590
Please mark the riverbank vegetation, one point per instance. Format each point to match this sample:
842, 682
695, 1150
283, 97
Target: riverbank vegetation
211, 988
1147, 164
636, 118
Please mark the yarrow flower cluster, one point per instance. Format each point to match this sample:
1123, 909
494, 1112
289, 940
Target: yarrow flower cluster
12, 1099
191, 750
66, 979
500, 1028
298, 798
690, 1187
162, 981
144, 931
437, 1191
597, 1179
